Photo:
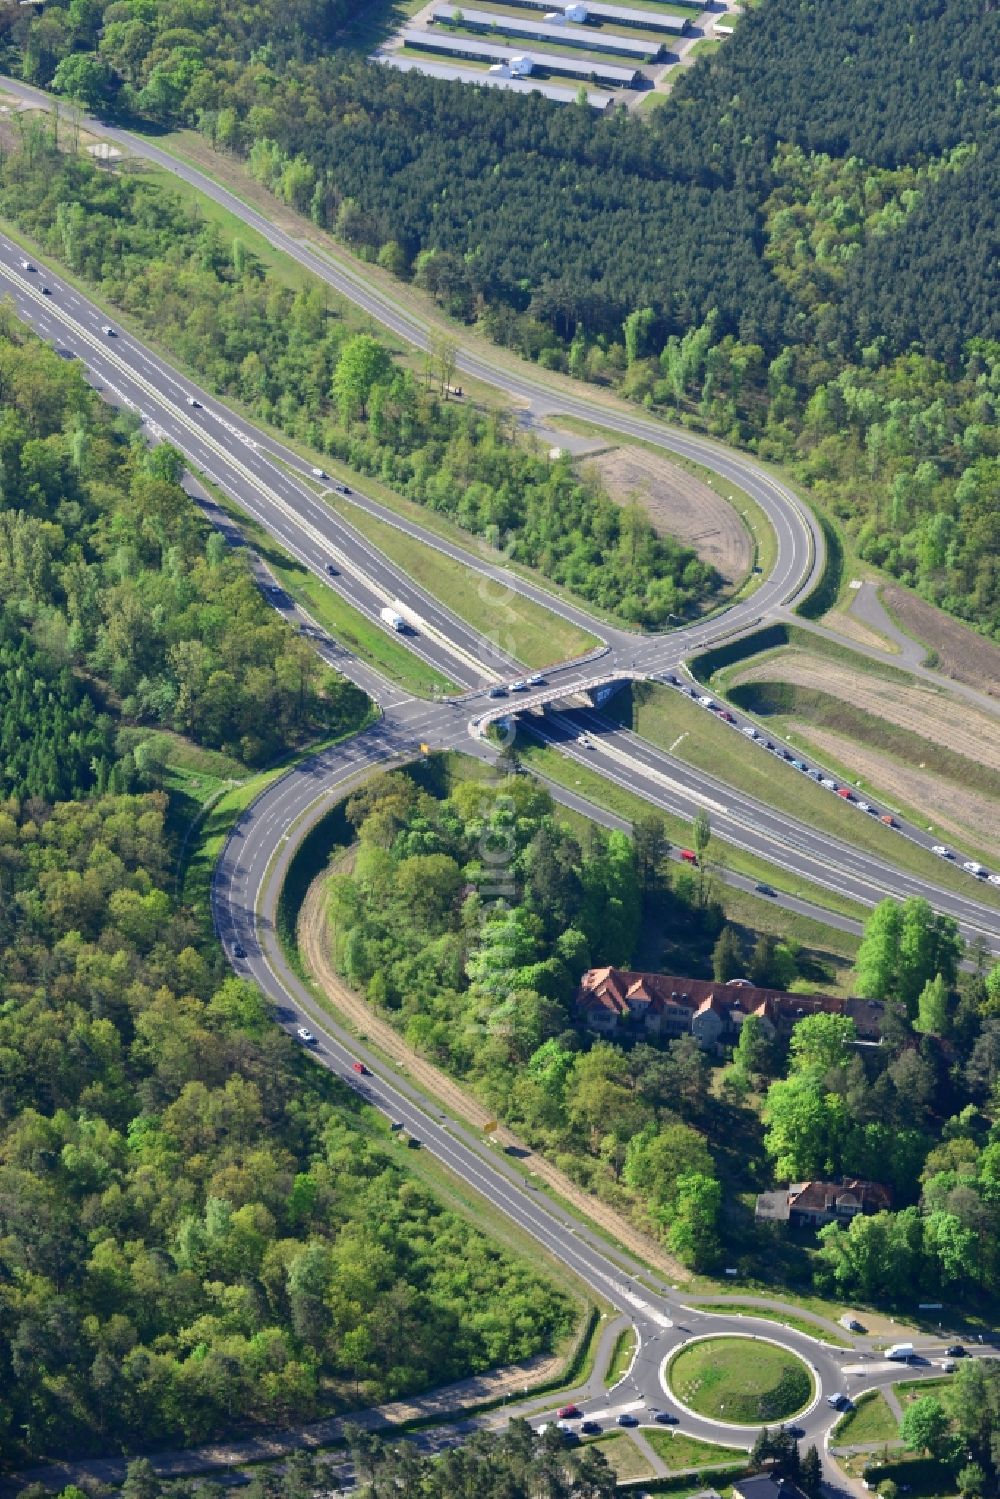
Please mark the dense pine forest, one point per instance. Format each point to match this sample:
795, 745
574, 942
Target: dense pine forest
293, 361
121, 603
797, 251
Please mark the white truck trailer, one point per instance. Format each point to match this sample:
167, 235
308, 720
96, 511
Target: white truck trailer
392, 617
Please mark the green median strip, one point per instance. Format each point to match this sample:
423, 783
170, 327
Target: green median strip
871, 1420
345, 624
621, 1356
522, 628
673, 722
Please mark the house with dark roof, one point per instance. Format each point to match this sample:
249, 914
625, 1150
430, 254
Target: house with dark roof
610, 1000
766, 1486
814, 1203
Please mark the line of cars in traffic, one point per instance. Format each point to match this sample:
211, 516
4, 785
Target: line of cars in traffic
501, 689
846, 793
573, 1424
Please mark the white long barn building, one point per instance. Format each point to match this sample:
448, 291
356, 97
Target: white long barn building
586, 69
543, 31
613, 15
437, 68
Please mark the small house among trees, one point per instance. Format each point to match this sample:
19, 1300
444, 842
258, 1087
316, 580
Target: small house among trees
814, 1203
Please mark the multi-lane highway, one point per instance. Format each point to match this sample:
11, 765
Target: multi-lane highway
275, 486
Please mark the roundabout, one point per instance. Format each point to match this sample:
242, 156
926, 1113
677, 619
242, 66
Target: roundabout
740, 1379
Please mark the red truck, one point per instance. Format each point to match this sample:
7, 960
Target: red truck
845, 793
689, 856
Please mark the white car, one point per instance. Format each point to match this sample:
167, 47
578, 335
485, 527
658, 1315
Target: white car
519, 686
706, 702
305, 1036
971, 867
192, 401
537, 680
318, 473
942, 852
830, 785
994, 879
26, 265
749, 731
108, 331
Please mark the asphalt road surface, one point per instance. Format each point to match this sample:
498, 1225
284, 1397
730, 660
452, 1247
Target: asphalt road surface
273, 484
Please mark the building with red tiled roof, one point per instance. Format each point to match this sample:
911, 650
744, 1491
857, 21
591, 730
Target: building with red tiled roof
612, 1000
811, 1204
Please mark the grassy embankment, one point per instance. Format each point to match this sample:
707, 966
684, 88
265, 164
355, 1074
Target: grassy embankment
345, 624
524, 629
847, 707
668, 719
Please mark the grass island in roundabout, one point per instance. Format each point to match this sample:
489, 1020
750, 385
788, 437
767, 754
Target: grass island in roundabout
744, 1381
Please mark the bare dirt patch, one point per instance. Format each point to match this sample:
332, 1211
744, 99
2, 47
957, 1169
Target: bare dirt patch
847, 624
958, 812
961, 653
314, 945
678, 504
925, 711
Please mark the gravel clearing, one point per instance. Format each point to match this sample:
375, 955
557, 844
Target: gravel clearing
678, 504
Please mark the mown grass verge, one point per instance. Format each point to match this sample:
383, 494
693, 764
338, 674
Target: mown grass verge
786, 1319
750, 1382
680, 1451
208, 838
871, 1420
624, 1456
621, 1356
522, 628
673, 722
345, 624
